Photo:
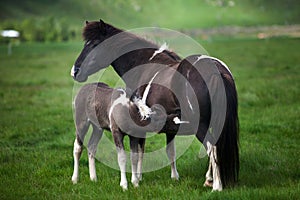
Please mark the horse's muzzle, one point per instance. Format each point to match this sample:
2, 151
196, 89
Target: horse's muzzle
74, 71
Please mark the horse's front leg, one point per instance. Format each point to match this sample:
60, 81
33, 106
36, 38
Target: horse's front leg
118, 138
134, 156
171, 152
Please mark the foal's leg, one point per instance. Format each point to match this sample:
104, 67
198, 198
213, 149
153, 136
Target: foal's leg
118, 138
134, 156
81, 130
92, 149
171, 152
141, 149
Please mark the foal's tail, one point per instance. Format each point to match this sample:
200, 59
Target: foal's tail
227, 145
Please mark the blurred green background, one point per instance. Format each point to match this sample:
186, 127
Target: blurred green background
62, 20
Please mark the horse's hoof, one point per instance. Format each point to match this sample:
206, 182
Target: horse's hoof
208, 183
135, 185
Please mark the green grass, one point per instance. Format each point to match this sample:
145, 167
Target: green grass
37, 130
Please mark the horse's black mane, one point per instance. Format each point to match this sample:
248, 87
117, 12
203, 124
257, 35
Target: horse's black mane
96, 29
99, 30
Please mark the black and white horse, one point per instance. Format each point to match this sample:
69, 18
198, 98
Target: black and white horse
199, 89
102, 107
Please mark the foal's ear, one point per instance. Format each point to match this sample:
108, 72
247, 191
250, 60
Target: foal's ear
86, 22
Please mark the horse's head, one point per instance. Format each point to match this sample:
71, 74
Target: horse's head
90, 59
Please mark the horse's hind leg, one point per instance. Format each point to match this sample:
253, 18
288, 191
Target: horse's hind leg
81, 130
171, 152
208, 176
212, 153
92, 149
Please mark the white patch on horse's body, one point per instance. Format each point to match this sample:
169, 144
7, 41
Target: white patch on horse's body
187, 97
213, 58
160, 50
144, 110
176, 120
146, 92
122, 99
73, 71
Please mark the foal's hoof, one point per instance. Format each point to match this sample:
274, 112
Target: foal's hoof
94, 179
124, 187
74, 180
208, 183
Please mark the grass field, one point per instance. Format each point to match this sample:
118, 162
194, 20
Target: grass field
37, 131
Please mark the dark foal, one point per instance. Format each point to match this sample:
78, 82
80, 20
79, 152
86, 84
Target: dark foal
103, 107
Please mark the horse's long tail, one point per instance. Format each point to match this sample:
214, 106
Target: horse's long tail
227, 145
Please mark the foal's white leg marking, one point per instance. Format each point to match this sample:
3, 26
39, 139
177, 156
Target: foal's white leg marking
171, 152
76, 153
134, 165
122, 165
92, 167
220, 61
161, 49
92, 149
217, 184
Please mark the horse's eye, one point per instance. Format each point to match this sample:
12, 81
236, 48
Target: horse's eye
87, 43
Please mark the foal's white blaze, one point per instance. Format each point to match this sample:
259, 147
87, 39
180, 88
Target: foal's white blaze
213, 58
160, 50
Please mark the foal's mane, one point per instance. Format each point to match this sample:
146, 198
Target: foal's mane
97, 30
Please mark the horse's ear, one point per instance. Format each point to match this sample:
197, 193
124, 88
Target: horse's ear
86, 22
102, 26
